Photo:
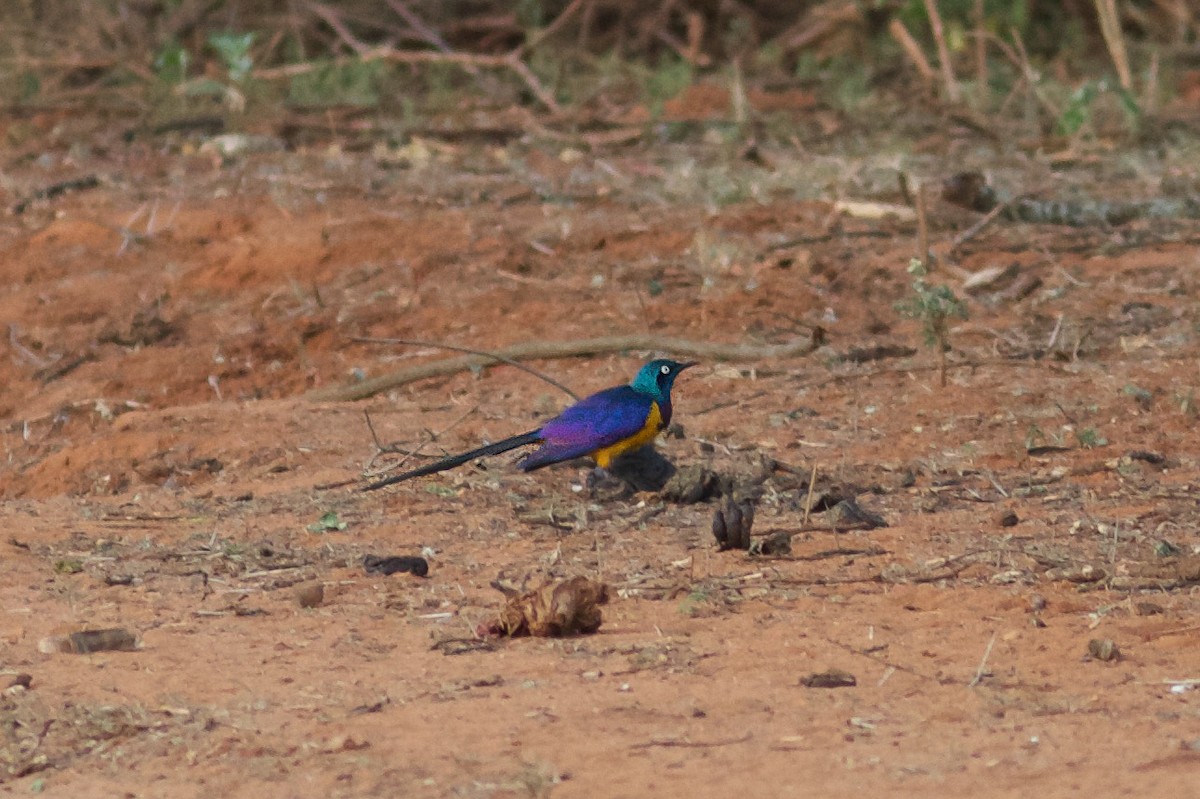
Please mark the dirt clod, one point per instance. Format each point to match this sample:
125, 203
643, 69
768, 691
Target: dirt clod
777, 545
691, 484
374, 564
311, 595
1007, 518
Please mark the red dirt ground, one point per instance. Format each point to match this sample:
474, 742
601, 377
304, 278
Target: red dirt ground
163, 467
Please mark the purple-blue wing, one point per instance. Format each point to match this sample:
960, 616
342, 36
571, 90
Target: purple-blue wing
599, 421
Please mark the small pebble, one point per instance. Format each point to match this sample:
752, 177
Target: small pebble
1007, 518
1037, 603
1148, 609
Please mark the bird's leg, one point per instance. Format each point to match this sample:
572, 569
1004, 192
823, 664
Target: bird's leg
601, 484
595, 476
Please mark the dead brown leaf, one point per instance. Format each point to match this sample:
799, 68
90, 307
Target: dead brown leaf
567, 607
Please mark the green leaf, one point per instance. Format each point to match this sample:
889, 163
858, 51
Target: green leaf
204, 87
1129, 104
672, 76
1165, 549
354, 83
171, 63
1078, 109
1089, 439
234, 50
31, 86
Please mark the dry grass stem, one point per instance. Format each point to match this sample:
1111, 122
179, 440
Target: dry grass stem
939, 37
1114, 40
912, 50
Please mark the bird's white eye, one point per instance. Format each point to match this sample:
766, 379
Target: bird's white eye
666, 370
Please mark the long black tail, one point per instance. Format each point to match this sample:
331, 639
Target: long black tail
531, 437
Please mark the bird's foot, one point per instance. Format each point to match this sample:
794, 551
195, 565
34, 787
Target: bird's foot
603, 486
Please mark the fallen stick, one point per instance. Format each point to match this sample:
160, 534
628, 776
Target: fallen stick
540, 350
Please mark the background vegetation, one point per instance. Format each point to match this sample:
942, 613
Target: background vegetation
1059, 66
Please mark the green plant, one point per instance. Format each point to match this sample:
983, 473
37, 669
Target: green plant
328, 523
1078, 110
1034, 436
354, 83
933, 305
1089, 438
234, 51
531, 14
30, 86
171, 63
694, 602
1186, 402
1141, 396
672, 76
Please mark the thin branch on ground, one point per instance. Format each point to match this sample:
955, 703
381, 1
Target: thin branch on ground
545, 33
544, 350
913, 50
419, 25
1114, 40
684, 743
939, 38
334, 20
471, 351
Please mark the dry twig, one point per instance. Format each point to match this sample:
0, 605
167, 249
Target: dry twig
470, 351
1110, 27
911, 49
939, 37
533, 350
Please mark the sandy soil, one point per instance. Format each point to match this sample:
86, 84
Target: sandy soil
166, 472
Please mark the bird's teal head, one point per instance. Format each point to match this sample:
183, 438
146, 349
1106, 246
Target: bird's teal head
657, 377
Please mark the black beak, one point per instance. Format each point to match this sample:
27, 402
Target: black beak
686, 365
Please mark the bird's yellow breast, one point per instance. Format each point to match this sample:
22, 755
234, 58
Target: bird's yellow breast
644, 436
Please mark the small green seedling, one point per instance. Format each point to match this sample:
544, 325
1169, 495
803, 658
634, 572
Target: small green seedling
934, 305
328, 523
234, 52
1090, 438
